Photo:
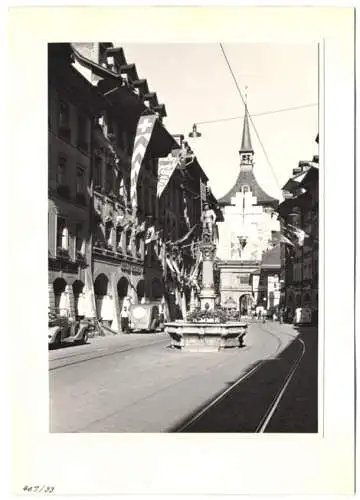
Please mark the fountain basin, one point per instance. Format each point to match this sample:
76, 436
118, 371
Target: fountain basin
206, 336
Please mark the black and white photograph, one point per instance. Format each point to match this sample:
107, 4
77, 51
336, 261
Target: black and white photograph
184, 267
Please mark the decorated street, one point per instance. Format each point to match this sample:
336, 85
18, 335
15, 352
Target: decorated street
182, 287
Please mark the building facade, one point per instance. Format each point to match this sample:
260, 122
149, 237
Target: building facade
73, 104
104, 252
299, 214
249, 228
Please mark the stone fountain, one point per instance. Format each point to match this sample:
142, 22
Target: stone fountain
209, 329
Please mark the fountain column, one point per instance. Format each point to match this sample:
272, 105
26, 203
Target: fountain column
207, 292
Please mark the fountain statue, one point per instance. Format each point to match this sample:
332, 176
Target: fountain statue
208, 328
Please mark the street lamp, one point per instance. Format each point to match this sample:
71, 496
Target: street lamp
194, 132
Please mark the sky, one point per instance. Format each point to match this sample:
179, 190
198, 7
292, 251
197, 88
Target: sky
195, 84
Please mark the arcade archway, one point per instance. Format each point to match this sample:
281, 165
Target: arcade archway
122, 290
140, 290
100, 289
156, 289
78, 287
59, 287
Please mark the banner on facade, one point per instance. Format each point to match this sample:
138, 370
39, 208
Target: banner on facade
166, 167
143, 135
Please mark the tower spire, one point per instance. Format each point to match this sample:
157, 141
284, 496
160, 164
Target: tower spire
246, 146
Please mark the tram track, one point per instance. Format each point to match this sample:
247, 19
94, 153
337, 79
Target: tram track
271, 408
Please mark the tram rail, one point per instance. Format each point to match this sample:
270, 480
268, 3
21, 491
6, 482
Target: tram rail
271, 409
87, 356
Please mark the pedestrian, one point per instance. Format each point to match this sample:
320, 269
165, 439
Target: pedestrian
264, 313
125, 320
281, 316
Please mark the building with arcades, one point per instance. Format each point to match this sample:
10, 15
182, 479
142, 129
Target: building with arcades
123, 265
73, 104
98, 249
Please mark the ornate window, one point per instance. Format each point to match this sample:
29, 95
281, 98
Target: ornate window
64, 120
80, 185
61, 170
80, 242
108, 233
62, 234
118, 237
109, 178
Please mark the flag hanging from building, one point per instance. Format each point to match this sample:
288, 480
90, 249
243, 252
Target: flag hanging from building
299, 234
286, 240
186, 211
166, 167
143, 134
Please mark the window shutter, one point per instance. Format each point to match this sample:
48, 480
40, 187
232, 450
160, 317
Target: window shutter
52, 232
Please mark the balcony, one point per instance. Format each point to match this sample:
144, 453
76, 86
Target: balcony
80, 258
62, 253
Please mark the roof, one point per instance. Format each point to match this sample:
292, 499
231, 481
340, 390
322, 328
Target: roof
246, 177
271, 258
246, 146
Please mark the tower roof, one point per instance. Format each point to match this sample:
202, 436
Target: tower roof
247, 178
246, 146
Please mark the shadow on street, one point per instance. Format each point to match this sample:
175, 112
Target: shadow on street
245, 407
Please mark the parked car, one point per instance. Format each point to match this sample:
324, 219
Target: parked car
63, 329
145, 317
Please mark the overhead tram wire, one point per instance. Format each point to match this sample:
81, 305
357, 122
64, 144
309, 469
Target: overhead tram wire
264, 113
251, 120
